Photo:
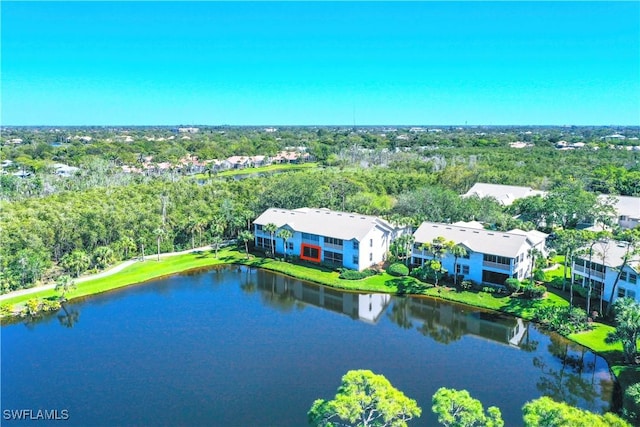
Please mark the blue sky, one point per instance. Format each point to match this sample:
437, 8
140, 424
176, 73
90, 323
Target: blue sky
289, 63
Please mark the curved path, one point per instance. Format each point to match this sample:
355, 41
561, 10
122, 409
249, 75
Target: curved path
105, 273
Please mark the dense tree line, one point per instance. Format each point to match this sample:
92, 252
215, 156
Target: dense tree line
91, 228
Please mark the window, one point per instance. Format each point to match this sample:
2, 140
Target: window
289, 246
332, 241
467, 254
311, 252
310, 237
333, 257
264, 243
633, 278
356, 245
621, 292
258, 227
623, 276
497, 259
371, 243
370, 257
631, 294
356, 259
462, 269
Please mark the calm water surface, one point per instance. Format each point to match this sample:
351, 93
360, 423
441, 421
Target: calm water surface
237, 346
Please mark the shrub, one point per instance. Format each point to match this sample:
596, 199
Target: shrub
466, 285
398, 269
534, 292
631, 403
564, 320
513, 285
6, 310
355, 275
490, 290
556, 282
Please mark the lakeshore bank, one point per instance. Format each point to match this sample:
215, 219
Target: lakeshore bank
135, 272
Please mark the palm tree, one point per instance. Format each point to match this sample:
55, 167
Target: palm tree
271, 228
285, 234
245, 236
630, 251
64, 284
627, 328
534, 254
159, 232
438, 248
457, 251
568, 242
126, 244
216, 241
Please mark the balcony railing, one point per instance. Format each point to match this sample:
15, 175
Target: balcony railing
333, 246
496, 265
585, 272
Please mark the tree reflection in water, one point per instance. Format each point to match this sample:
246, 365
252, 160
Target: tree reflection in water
574, 380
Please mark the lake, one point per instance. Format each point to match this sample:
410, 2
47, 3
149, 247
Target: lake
237, 346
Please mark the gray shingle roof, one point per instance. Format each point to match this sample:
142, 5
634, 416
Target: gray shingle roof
324, 222
625, 205
614, 252
483, 241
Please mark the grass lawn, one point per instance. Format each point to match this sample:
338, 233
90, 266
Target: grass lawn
270, 168
136, 273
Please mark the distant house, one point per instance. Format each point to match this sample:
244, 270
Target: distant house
65, 170
607, 257
492, 256
258, 161
239, 162
188, 130
350, 240
504, 194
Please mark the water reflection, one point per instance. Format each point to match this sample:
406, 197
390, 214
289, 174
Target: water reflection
287, 292
573, 379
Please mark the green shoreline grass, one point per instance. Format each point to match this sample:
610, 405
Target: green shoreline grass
141, 272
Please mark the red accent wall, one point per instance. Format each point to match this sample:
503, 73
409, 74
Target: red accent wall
306, 258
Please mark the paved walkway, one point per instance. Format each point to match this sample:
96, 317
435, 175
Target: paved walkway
105, 273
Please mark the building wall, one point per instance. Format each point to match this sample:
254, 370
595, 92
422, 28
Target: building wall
625, 287
475, 262
370, 251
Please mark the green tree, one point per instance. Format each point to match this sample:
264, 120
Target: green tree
364, 399
271, 228
285, 234
103, 256
456, 408
438, 248
245, 236
544, 412
627, 327
160, 233
568, 242
534, 254
64, 284
76, 262
457, 251
216, 241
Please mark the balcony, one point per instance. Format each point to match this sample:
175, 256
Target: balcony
583, 271
333, 246
497, 266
